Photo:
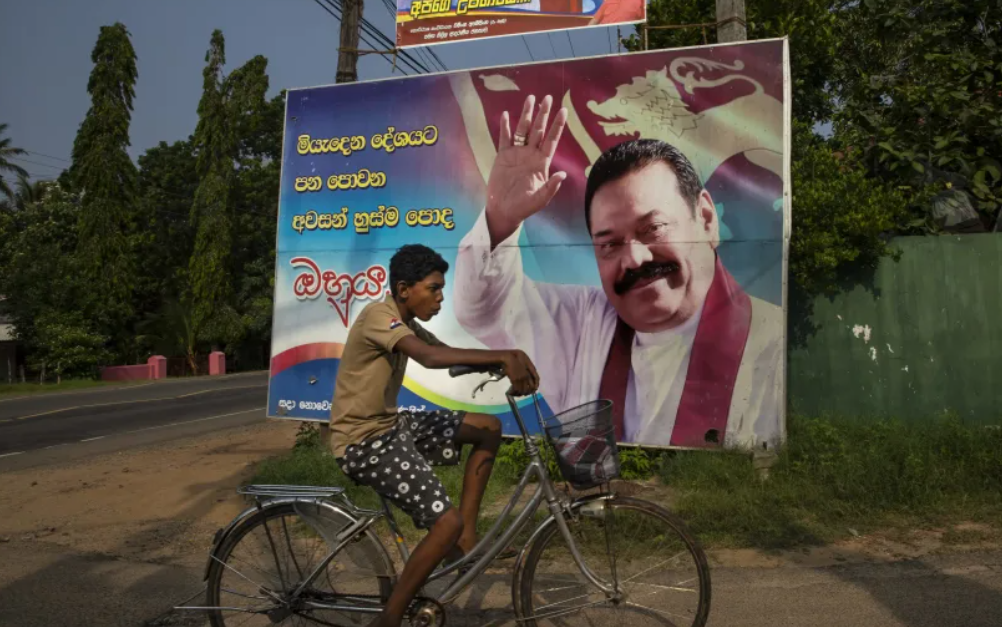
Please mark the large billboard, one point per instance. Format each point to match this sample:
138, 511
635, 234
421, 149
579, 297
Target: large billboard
426, 22
656, 275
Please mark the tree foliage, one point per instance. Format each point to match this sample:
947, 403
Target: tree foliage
38, 260
913, 90
195, 226
105, 176
842, 216
209, 266
920, 85
232, 112
810, 24
8, 152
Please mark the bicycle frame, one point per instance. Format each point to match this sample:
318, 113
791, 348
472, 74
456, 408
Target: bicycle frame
363, 520
544, 491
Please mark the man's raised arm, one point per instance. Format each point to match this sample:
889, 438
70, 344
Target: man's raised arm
493, 299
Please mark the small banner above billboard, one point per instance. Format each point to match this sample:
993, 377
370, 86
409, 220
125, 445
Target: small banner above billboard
426, 22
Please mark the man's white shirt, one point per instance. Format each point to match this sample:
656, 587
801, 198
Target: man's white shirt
567, 329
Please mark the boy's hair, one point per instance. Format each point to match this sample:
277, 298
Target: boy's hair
414, 262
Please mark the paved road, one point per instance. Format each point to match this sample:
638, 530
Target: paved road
30, 427
44, 585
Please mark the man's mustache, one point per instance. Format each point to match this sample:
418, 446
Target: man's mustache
650, 270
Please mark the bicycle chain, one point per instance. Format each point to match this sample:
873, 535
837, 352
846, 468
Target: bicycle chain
412, 610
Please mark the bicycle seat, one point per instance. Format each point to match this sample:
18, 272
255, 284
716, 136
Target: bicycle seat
290, 490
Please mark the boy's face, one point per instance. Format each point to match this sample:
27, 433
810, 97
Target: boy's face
424, 298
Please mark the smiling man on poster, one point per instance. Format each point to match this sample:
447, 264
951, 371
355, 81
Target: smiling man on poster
688, 357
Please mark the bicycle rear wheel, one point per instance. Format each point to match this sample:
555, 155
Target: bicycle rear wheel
271, 553
658, 565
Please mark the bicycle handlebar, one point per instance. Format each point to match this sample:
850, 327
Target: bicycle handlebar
461, 371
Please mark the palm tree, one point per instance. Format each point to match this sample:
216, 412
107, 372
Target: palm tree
28, 192
6, 153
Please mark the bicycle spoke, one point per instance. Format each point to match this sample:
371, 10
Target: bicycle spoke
656, 611
583, 596
674, 588
246, 596
644, 572
570, 611
240, 574
648, 555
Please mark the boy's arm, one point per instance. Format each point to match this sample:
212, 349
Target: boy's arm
517, 365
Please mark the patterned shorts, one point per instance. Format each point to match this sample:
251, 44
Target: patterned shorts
397, 464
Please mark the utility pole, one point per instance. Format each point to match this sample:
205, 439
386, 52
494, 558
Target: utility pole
347, 56
347, 72
731, 21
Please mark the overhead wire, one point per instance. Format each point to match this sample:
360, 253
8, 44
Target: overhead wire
552, 47
526, 42
45, 165
426, 52
568, 33
362, 36
32, 152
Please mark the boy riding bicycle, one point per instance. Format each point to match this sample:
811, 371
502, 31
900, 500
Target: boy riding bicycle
392, 452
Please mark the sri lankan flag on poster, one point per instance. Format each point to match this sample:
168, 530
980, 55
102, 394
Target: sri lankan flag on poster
426, 22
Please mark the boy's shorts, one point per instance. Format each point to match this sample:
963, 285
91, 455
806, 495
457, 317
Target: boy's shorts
397, 464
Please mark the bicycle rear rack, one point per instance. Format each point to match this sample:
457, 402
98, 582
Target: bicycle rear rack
293, 491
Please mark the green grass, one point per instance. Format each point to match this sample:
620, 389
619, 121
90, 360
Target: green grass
833, 475
839, 474
68, 385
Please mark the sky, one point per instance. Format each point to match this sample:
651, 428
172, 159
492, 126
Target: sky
45, 48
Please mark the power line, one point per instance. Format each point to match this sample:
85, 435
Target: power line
337, 16
375, 33
391, 6
568, 33
44, 165
435, 56
552, 47
608, 32
47, 156
361, 35
526, 42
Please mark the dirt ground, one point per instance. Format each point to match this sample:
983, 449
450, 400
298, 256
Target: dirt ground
160, 506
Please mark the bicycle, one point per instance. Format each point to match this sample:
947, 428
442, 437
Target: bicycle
314, 588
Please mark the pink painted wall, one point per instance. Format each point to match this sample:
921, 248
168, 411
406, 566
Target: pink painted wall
217, 363
154, 368
126, 373
158, 367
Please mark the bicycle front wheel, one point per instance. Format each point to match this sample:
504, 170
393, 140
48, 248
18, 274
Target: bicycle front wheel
644, 551
253, 576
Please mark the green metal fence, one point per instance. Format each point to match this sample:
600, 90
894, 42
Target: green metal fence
925, 337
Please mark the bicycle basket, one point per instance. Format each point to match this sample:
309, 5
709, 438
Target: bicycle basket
584, 440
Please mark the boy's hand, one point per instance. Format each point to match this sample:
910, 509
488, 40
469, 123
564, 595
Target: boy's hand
521, 372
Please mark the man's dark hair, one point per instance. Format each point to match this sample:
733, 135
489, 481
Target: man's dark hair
414, 262
635, 155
